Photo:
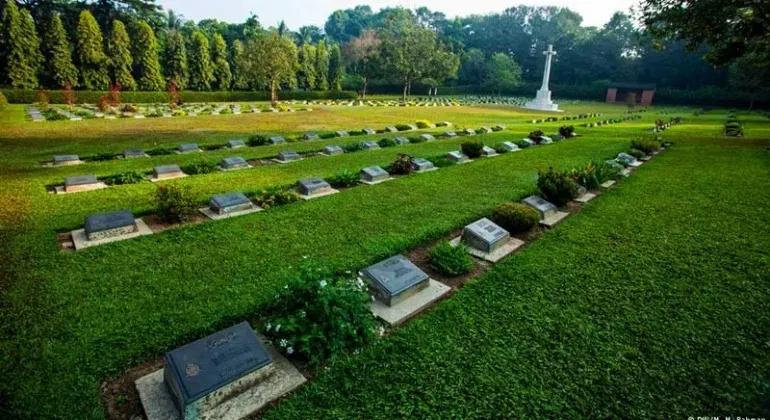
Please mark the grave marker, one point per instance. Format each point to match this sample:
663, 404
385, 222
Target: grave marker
66, 160
549, 214
134, 153
628, 160
341, 133
332, 150
510, 146
230, 203
277, 140
369, 131
288, 156
311, 136
450, 134
234, 144
402, 140
374, 175
166, 172
80, 183
391, 129
423, 165
314, 187
233, 163
370, 145
107, 225
487, 151
189, 148
457, 157
394, 280
427, 137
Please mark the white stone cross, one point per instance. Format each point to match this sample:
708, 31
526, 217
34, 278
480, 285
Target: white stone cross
547, 72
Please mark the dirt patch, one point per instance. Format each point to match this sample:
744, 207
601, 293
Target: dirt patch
66, 243
119, 395
157, 225
421, 258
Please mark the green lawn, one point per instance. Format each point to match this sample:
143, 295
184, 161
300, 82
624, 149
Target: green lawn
623, 290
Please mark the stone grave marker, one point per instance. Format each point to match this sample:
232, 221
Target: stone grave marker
66, 160
402, 140
311, 136
107, 225
235, 144
469, 131
487, 151
412, 127
546, 140
423, 165
369, 131
134, 153
288, 156
391, 129
501, 127
529, 141
188, 148
230, 203
314, 187
549, 214
332, 150
341, 133
487, 241
450, 134
457, 157
374, 175
486, 130
370, 145
628, 160
427, 137
233, 163
394, 280
80, 183
511, 147
277, 140
166, 172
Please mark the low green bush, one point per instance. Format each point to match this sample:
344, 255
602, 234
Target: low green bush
415, 140
352, 147
403, 165
558, 187
387, 142
593, 174
646, 145
515, 217
175, 203
160, 151
450, 260
472, 149
257, 140
441, 124
3, 102
273, 196
636, 153
423, 124
536, 136
344, 179
403, 127
567, 131
123, 178
499, 148
202, 166
522, 144
318, 317
440, 161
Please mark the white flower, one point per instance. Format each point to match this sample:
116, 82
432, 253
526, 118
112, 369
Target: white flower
323, 283
357, 351
290, 350
360, 283
348, 271
304, 257
269, 326
302, 314
283, 342
286, 287
373, 298
278, 328
381, 331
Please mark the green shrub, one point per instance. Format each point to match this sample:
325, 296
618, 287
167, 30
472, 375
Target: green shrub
3, 102
344, 179
403, 165
499, 148
200, 167
732, 125
451, 261
352, 147
441, 124
515, 217
403, 127
257, 140
326, 136
558, 187
636, 153
415, 140
472, 149
27, 96
274, 196
161, 151
318, 317
101, 157
593, 174
387, 142
522, 144
536, 136
175, 203
567, 131
123, 178
440, 161
423, 124
646, 145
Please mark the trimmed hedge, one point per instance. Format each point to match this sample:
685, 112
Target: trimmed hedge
27, 96
3, 102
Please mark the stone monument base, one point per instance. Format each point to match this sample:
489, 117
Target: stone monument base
543, 102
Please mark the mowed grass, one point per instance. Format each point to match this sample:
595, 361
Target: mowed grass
72, 320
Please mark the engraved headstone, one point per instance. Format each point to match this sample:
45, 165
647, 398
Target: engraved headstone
402, 140
510, 146
486, 130
370, 145
205, 366
427, 137
277, 140
391, 129
394, 280
79, 183
488, 151
469, 131
234, 144
233, 163
421, 165
369, 131
457, 156
542, 206
189, 147
133, 153
485, 236
311, 136
627, 159
374, 174
288, 156
341, 133
108, 225
500, 127
332, 150
230, 203
313, 186
166, 171
62, 160
450, 134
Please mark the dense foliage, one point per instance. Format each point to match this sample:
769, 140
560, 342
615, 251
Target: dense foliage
515, 217
174, 203
558, 187
451, 260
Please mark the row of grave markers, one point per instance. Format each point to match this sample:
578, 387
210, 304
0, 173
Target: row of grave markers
234, 372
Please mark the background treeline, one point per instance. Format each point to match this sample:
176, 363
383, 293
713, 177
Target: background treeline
90, 44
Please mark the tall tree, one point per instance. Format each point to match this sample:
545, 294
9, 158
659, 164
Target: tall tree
58, 55
120, 58
322, 66
473, 67
237, 64
503, 73
336, 68
308, 35
147, 65
306, 73
91, 58
199, 63
222, 75
31, 47
362, 55
18, 70
750, 75
271, 61
175, 58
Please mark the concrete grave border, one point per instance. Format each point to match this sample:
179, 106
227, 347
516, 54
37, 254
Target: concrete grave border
80, 240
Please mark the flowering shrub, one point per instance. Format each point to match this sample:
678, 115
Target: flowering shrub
472, 149
344, 179
558, 187
403, 165
274, 196
450, 260
594, 174
515, 217
175, 203
128, 177
318, 317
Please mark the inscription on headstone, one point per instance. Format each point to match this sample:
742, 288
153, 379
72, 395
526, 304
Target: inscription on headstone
288, 156
233, 163
313, 186
189, 147
108, 225
374, 174
230, 203
394, 280
542, 206
485, 236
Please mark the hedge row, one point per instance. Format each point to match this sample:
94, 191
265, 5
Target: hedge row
27, 96
3, 102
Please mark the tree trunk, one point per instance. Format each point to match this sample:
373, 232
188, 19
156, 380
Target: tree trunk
751, 104
406, 84
273, 95
409, 91
363, 89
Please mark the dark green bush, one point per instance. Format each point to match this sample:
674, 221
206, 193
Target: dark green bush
257, 140
403, 127
522, 144
646, 145
536, 136
636, 153
451, 261
417, 139
423, 124
123, 178
344, 179
558, 187
499, 148
593, 174
403, 165
318, 317
161, 151
515, 217
273, 196
387, 142
440, 161
175, 203
202, 166
567, 131
3, 102
472, 149
352, 147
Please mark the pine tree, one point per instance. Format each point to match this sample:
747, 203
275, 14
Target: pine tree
120, 57
31, 46
222, 75
91, 58
16, 68
336, 68
59, 56
237, 63
199, 63
148, 67
322, 67
306, 75
175, 58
